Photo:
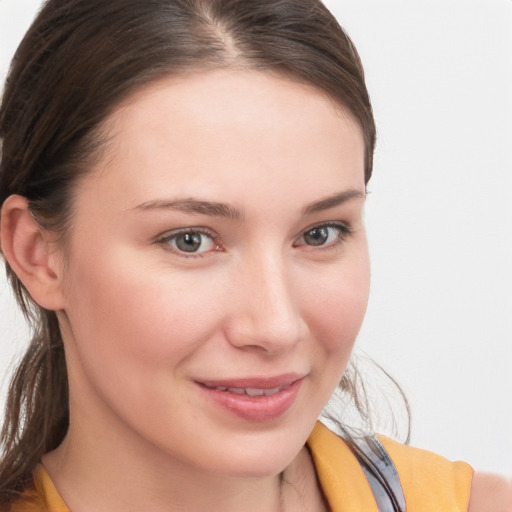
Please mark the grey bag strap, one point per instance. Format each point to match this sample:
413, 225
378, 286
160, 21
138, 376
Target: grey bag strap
380, 473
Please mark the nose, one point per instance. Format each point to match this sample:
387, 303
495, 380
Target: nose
266, 316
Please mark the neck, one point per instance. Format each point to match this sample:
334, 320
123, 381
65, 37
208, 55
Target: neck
113, 480
121, 486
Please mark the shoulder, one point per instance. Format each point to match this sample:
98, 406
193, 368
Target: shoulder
482, 492
490, 493
430, 480
41, 496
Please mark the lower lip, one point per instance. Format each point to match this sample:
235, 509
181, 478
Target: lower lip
255, 408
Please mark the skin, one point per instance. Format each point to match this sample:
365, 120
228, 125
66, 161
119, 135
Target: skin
490, 493
143, 322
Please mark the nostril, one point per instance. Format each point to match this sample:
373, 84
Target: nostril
266, 315
269, 333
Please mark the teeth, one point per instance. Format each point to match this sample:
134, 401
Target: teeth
249, 391
238, 391
254, 392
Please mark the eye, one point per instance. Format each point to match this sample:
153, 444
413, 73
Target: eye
191, 241
324, 235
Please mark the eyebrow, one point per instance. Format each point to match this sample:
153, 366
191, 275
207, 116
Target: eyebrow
191, 205
332, 201
215, 209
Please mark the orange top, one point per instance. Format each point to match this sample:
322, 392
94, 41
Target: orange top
430, 482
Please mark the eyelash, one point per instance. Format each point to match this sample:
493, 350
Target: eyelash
166, 241
344, 231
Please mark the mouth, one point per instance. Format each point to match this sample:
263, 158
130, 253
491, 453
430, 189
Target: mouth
254, 399
249, 391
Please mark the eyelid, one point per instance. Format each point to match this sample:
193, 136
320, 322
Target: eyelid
345, 230
164, 239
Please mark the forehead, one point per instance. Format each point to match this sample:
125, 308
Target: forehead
218, 130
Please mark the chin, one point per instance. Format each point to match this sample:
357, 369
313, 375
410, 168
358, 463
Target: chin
258, 455
264, 466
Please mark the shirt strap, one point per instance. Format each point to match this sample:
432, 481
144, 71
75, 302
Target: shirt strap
380, 473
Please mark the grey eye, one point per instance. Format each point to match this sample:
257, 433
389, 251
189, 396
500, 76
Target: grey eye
317, 236
191, 242
325, 234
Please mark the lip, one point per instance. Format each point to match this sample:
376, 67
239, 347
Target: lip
260, 408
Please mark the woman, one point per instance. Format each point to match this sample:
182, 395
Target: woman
182, 186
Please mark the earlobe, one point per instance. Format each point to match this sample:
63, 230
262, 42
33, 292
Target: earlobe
28, 253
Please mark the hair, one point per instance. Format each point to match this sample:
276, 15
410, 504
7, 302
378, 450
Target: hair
77, 62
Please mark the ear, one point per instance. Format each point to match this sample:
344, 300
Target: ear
28, 253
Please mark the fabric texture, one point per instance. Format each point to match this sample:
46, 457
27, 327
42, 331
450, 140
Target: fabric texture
430, 482
43, 497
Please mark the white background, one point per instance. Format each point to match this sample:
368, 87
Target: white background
439, 215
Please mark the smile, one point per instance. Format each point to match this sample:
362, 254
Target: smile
253, 399
249, 391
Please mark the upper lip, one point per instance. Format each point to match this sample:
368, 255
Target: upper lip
271, 382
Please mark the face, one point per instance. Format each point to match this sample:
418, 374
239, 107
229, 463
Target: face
217, 271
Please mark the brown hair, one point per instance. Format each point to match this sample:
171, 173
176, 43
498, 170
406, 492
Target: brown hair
80, 59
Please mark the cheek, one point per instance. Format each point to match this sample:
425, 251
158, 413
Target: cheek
130, 313
336, 305
141, 317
